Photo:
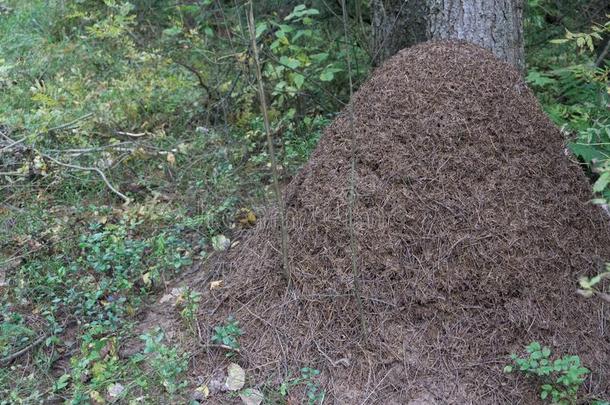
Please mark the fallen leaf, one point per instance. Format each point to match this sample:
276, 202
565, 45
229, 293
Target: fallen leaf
236, 377
246, 217
171, 159
215, 284
174, 295
251, 396
201, 393
96, 397
146, 278
114, 390
220, 243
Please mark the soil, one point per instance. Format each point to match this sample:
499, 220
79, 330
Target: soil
472, 228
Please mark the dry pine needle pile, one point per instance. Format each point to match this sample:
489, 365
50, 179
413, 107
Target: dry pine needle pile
472, 227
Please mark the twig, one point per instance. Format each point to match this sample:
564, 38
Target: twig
232, 349
19, 174
603, 296
71, 123
16, 355
93, 149
212, 346
196, 72
344, 361
13, 144
352, 181
131, 134
11, 357
602, 56
276, 183
89, 169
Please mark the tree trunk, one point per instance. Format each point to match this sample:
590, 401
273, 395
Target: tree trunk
493, 24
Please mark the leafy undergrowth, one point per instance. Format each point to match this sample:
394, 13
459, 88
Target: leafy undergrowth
571, 80
135, 92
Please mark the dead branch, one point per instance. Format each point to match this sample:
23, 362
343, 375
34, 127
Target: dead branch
90, 169
200, 78
6, 360
70, 124
352, 183
276, 183
132, 135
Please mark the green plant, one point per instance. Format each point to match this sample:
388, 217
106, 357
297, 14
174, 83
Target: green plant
591, 286
314, 394
560, 379
166, 362
189, 301
572, 83
228, 334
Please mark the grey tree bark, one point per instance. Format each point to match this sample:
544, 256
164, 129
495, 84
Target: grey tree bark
493, 24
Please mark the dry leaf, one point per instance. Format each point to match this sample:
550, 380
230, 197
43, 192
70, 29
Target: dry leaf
115, 390
252, 397
201, 393
171, 159
220, 243
215, 284
174, 295
236, 377
97, 398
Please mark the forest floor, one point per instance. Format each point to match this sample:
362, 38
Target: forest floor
472, 221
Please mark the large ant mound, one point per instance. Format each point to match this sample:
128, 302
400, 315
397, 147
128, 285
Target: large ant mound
472, 228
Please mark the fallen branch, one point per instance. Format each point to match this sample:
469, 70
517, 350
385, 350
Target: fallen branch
90, 169
70, 124
12, 357
602, 56
274, 172
12, 144
18, 174
132, 135
8, 359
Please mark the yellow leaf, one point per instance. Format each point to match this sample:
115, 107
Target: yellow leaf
146, 278
236, 377
215, 284
171, 159
96, 397
246, 217
204, 390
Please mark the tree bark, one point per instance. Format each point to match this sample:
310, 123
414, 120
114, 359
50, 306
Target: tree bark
493, 24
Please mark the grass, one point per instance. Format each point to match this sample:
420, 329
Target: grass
79, 266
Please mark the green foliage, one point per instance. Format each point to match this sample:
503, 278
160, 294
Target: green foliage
228, 334
314, 394
14, 332
99, 279
166, 362
573, 87
593, 286
102, 281
560, 379
189, 301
